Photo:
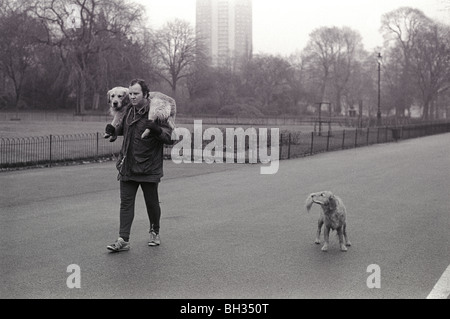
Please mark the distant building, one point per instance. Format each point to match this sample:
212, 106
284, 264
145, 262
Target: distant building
225, 28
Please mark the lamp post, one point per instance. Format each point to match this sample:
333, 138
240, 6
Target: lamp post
320, 117
379, 90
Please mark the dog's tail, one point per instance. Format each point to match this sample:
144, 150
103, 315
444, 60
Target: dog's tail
309, 202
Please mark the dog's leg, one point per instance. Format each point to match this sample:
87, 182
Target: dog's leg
326, 237
341, 238
319, 229
114, 136
106, 135
115, 122
344, 230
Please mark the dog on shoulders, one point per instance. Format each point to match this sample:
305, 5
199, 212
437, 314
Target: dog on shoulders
162, 107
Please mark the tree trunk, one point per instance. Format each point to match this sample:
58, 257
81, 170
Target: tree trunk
338, 108
322, 90
174, 91
360, 113
82, 106
96, 101
433, 112
426, 110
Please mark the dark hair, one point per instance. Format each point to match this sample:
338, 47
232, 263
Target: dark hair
144, 86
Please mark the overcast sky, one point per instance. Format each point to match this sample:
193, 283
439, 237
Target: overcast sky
283, 26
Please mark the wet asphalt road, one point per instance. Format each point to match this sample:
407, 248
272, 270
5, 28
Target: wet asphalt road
229, 232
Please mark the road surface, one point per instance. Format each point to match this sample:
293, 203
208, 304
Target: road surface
229, 232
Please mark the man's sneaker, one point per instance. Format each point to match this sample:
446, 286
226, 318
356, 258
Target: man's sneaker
119, 245
155, 240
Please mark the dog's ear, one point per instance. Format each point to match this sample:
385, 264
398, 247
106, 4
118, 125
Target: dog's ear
309, 202
108, 96
333, 203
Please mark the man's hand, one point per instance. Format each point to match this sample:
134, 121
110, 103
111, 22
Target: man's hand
153, 127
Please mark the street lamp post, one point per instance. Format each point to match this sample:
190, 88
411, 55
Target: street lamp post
379, 90
320, 117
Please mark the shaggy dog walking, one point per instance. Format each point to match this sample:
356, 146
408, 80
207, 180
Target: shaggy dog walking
333, 216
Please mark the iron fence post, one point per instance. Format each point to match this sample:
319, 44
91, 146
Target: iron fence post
280, 146
328, 139
50, 163
312, 143
367, 137
96, 151
343, 139
193, 148
289, 146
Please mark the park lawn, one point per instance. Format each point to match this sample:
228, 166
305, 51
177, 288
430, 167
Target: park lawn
21, 129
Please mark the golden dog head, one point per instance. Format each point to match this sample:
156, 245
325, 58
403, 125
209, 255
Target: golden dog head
325, 199
118, 98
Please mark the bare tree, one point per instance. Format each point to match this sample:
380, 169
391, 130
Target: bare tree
175, 49
361, 89
199, 81
265, 75
225, 85
431, 64
348, 56
400, 29
18, 44
83, 30
331, 54
321, 53
199, 74
296, 78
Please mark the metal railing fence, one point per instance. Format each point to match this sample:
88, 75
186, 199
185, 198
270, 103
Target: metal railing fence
56, 149
52, 149
304, 144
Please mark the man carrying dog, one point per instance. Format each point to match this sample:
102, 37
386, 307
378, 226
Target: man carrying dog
140, 163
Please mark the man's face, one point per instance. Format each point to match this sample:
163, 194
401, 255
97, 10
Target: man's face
136, 94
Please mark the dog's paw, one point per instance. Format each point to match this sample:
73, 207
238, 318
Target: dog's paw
348, 244
343, 248
325, 248
317, 241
